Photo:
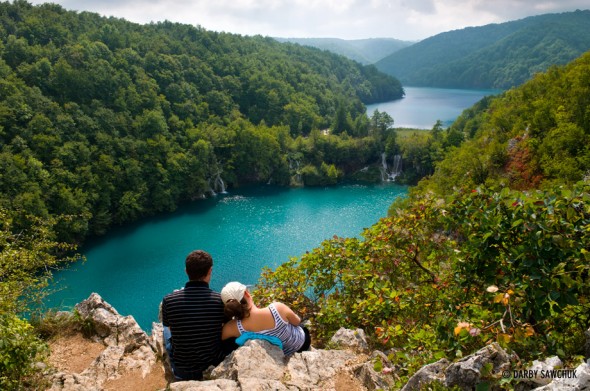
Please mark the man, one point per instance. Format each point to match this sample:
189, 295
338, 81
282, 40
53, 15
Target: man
192, 319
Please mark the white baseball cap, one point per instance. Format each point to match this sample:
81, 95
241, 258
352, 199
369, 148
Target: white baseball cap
233, 290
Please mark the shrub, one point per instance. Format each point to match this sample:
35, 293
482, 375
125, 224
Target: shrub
20, 349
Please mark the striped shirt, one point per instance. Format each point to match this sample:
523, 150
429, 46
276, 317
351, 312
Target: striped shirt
195, 318
291, 336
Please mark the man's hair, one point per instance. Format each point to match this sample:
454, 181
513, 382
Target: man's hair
198, 264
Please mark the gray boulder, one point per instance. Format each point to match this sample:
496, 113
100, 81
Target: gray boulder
208, 385
545, 365
370, 378
316, 369
576, 380
350, 339
114, 329
467, 372
431, 373
257, 359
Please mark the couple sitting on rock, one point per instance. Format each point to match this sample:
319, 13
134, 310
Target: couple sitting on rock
202, 326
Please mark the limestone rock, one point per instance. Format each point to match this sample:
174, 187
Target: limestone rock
579, 380
106, 366
127, 348
156, 339
371, 379
545, 365
428, 374
71, 382
209, 385
466, 373
256, 359
115, 329
312, 369
350, 339
259, 365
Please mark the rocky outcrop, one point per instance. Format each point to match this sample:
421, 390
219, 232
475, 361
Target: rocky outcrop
570, 380
259, 365
431, 373
471, 370
350, 339
127, 348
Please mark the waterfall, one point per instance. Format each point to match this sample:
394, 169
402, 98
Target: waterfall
219, 184
216, 184
383, 170
397, 168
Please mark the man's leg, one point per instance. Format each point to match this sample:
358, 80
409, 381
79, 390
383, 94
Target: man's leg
168, 345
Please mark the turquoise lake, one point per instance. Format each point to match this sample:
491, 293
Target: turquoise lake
134, 267
250, 228
423, 106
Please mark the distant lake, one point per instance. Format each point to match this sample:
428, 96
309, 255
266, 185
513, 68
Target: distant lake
423, 106
133, 267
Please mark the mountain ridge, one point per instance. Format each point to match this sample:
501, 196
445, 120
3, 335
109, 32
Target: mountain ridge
475, 57
366, 51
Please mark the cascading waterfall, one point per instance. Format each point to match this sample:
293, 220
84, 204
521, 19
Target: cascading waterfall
397, 165
216, 185
219, 184
397, 168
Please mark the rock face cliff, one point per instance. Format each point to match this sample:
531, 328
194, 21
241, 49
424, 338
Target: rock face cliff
258, 365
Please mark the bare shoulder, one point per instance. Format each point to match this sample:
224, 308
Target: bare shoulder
278, 304
281, 307
287, 314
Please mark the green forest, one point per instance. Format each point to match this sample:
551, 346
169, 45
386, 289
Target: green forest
498, 56
108, 120
103, 121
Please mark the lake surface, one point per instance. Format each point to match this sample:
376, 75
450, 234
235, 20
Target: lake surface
423, 106
134, 267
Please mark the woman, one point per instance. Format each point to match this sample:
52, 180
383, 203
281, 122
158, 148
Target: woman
277, 320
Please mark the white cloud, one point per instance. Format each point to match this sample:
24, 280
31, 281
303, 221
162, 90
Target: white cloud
401, 19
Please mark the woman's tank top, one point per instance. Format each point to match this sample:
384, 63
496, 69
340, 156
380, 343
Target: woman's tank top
291, 336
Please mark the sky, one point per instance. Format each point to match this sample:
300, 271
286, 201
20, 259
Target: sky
409, 20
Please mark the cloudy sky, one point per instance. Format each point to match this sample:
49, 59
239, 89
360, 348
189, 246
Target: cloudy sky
347, 19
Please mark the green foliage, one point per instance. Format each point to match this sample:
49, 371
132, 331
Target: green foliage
26, 260
20, 349
325, 175
492, 56
109, 120
536, 135
528, 254
441, 278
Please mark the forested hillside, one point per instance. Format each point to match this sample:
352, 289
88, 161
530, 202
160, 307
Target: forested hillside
493, 247
493, 56
365, 51
108, 120
534, 136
